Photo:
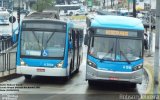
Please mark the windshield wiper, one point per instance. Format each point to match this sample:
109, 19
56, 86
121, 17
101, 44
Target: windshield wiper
49, 39
125, 57
110, 51
36, 39
103, 59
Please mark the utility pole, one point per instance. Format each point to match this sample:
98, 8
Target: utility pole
111, 4
134, 8
107, 5
2, 4
150, 32
12, 16
156, 58
104, 1
128, 7
18, 15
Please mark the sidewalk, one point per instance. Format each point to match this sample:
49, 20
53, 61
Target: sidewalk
149, 60
149, 67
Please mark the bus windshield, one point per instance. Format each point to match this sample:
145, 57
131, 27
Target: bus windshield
4, 15
42, 43
115, 49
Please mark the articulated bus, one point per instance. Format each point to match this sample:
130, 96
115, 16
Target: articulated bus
115, 49
48, 47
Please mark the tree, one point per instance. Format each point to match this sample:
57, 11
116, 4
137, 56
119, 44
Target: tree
43, 4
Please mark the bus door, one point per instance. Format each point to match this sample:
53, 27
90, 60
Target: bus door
78, 49
75, 48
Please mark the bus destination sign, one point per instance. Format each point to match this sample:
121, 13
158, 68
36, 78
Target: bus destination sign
116, 32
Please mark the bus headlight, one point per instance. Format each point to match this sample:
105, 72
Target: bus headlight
91, 64
23, 63
59, 65
137, 67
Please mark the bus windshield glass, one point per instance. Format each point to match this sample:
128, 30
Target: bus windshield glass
4, 15
116, 49
42, 43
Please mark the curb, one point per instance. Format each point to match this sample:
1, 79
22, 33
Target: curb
8, 77
150, 80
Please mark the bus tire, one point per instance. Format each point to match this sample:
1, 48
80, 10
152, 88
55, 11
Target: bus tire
91, 83
28, 77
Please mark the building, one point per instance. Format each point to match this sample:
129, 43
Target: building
143, 2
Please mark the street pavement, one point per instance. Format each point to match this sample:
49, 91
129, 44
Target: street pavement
51, 88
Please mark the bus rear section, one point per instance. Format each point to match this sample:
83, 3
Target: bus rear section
43, 49
4, 18
115, 50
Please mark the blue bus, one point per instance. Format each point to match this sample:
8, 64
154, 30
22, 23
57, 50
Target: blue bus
48, 47
115, 49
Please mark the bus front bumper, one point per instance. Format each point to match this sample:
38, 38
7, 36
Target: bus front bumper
42, 71
130, 77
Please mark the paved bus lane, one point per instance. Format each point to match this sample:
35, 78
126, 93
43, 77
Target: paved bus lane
49, 88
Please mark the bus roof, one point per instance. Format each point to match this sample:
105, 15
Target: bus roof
47, 16
67, 5
42, 15
43, 20
117, 22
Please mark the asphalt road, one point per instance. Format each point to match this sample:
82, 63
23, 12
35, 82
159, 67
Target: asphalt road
51, 88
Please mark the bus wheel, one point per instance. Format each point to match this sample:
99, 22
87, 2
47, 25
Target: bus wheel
28, 77
91, 83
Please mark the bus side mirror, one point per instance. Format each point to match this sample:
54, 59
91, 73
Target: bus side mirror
86, 39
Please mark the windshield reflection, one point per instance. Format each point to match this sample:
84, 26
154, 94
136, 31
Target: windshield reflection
115, 49
42, 43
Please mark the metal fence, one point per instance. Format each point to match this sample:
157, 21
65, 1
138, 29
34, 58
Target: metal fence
7, 62
5, 44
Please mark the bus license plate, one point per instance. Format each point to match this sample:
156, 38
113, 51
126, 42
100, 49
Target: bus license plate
40, 70
113, 78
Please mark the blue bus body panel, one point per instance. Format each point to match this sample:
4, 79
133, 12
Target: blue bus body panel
115, 66
41, 62
117, 22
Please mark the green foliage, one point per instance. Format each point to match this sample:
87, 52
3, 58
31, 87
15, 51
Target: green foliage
42, 5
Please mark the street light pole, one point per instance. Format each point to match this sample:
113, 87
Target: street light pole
156, 58
128, 7
104, 1
107, 5
12, 16
134, 8
150, 32
18, 15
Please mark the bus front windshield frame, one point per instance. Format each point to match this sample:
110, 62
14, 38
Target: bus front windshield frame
43, 44
114, 48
